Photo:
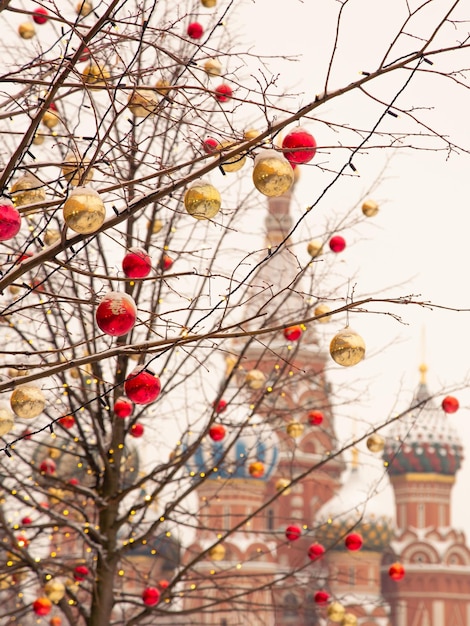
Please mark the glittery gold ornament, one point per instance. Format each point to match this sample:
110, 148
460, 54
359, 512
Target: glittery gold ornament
251, 133
236, 162
50, 119
84, 210
294, 429
157, 226
217, 552
14, 372
336, 612
55, 495
213, 67
272, 173
27, 401
208, 3
84, 8
347, 348
349, 620
38, 139
26, 30
143, 102
202, 201
76, 170
7, 421
255, 379
375, 443
370, 208
96, 75
51, 236
315, 248
163, 87
282, 484
54, 590
321, 309
27, 190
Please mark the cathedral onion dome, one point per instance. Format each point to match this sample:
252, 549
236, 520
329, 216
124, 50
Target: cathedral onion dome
250, 451
358, 508
423, 441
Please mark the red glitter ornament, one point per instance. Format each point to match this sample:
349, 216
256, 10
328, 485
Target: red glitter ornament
116, 314
210, 145
195, 30
136, 263
123, 407
163, 584
293, 333
293, 533
396, 571
81, 572
142, 386
42, 606
40, 15
48, 467
150, 596
26, 521
73, 482
167, 262
321, 597
223, 92
450, 404
217, 432
68, 421
10, 220
55, 621
85, 55
353, 541
299, 146
136, 430
220, 406
316, 551
315, 418
337, 244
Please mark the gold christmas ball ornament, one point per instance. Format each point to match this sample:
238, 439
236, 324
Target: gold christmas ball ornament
370, 208
96, 75
213, 67
143, 102
28, 189
272, 173
322, 309
157, 226
255, 379
7, 421
251, 133
217, 552
50, 119
51, 236
84, 211
38, 139
336, 612
349, 620
54, 590
27, 401
295, 429
282, 484
202, 201
315, 248
26, 30
84, 8
76, 170
236, 162
347, 348
375, 443
209, 4
163, 87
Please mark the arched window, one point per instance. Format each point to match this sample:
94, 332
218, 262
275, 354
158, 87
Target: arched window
291, 606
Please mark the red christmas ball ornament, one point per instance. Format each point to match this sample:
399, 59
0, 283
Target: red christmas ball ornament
217, 432
10, 220
450, 404
337, 244
48, 467
223, 92
73, 482
55, 621
150, 596
256, 469
299, 146
116, 314
26, 521
22, 541
315, 418
321, 597
81, 572
167, 262
353, 541
396, 571
163, 584
220, 406
293, 333
42, 606
68, 421
136, 263
85, 55
40, 15
316, 551
136, 430
210, 145
293, 532
195, 30
142, 386
123, 407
